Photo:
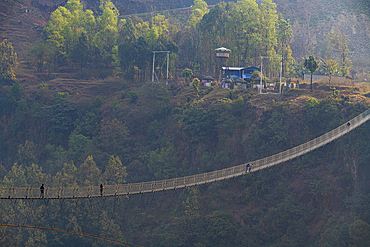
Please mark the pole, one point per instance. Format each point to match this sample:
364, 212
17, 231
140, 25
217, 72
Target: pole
168, 61
281, 68
260, 89
281, 71
153, 66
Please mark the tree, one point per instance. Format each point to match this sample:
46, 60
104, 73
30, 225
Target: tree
161, 162
192, 216
27, 154
311, 64
221, 229
142, 54
8, 61
243, 24
81, 52
65, 28
114, 138
268, 19
186, 73
106, 37
78, 147
331, 67
67, 176
115, 172
89, 173
63, 117
284, 34
360, 232
196, 84
127, 36
199, 9
339, 42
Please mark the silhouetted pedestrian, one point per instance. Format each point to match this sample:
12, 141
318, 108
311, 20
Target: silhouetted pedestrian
101, 189
42, 189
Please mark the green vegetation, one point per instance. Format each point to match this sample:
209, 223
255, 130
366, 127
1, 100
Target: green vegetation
71, 132
196, 84
312, 65
8, 61
60, 142
101, 45
331, 67
339, 43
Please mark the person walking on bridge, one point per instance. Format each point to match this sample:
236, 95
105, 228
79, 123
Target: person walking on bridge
42, 189
248, 168
101, 189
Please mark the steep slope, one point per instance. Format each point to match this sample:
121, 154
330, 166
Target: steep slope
21, 23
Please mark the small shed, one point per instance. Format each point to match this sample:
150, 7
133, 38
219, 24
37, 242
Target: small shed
207, 80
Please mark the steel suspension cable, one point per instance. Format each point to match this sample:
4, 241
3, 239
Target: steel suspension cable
82, 234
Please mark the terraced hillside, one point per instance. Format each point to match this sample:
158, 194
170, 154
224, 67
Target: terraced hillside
21, 23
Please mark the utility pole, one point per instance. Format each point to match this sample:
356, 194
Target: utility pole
280, 74
168, 63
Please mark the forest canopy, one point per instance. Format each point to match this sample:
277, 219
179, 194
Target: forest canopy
82, 40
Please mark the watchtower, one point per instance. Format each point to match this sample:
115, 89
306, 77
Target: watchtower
222, 54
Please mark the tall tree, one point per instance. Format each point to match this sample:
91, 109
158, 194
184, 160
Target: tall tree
284, 34
142, 55
115, 172
127, 36
106, 37
339, 42
196, 84
89, 173
8, 62
331, 68
199, 9
211, 27
81, 52
311, 64
268, 19
65, 28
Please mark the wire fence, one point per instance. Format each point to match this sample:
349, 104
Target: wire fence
188, 181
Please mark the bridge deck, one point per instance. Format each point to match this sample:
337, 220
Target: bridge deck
183, 182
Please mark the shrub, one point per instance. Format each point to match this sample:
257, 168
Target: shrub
132, 95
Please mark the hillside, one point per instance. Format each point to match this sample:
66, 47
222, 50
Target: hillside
107, 131
311, 22
63, 131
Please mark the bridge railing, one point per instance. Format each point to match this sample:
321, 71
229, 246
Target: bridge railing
177, 183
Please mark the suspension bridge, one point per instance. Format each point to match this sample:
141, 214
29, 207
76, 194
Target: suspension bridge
188, 181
